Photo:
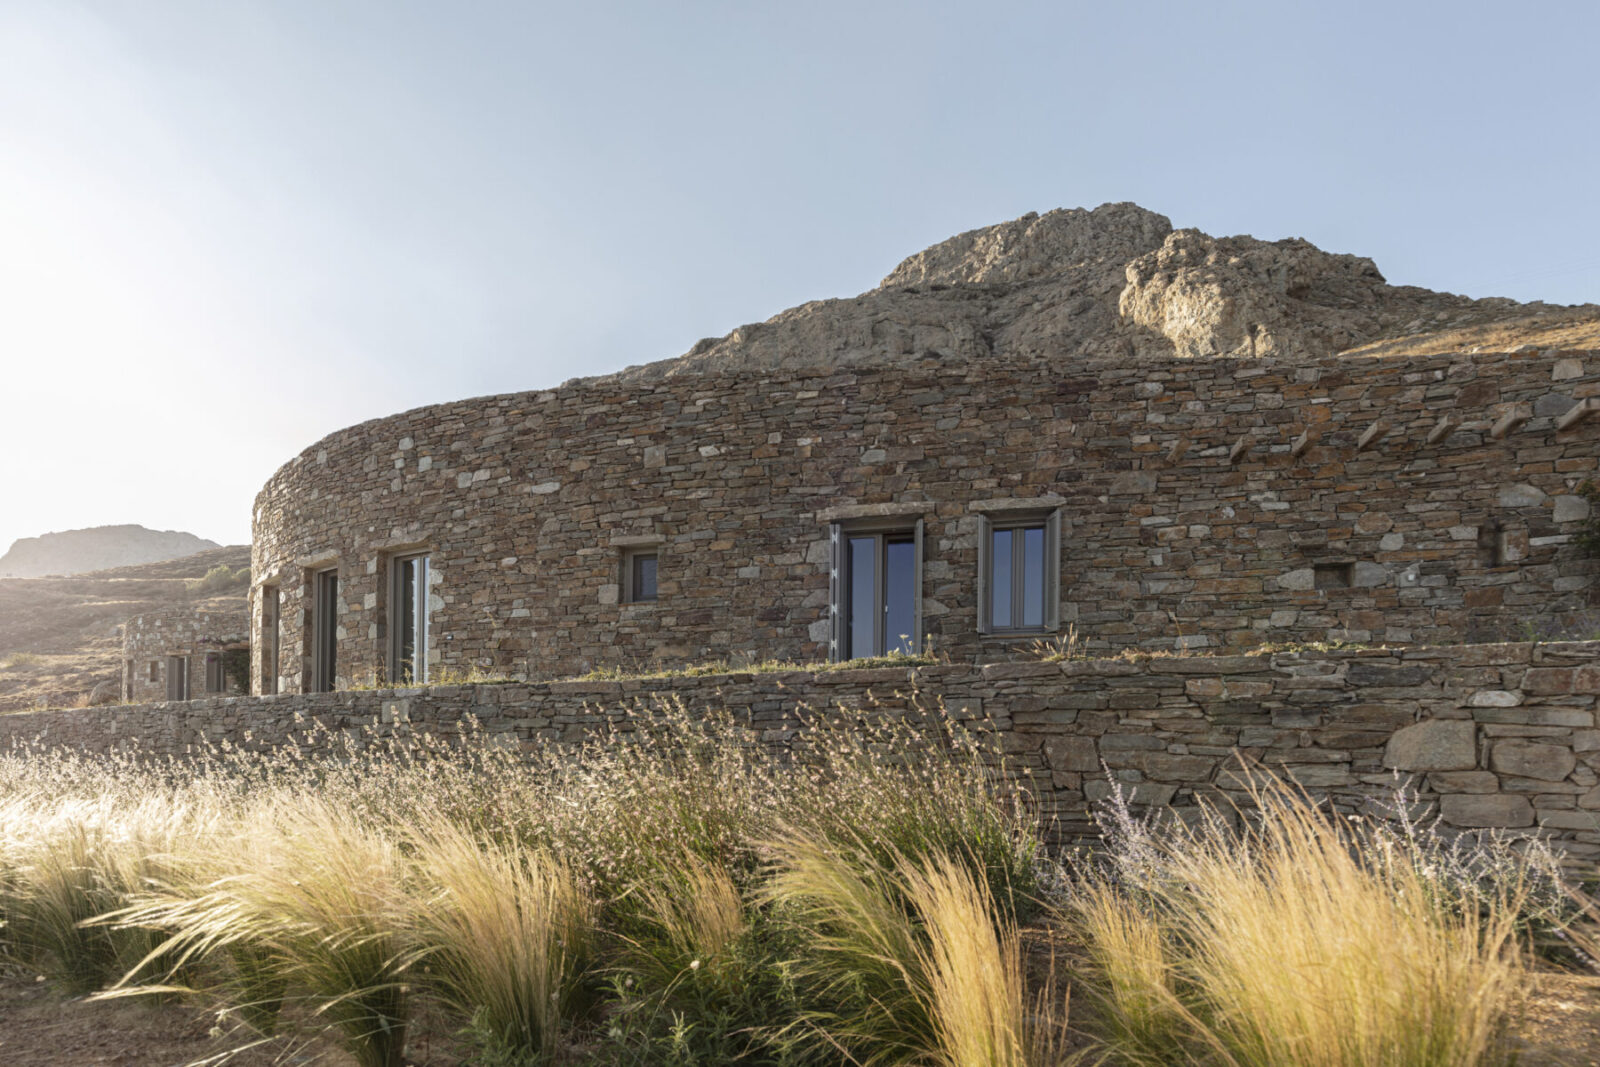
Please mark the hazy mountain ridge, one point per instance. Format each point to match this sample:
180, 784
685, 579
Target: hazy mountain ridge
98, 548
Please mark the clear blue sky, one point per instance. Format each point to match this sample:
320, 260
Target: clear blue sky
229, 228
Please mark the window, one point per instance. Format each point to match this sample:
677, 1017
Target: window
177, 677
214, 680
324, 629
876, 587
408, 617
155, 670
128, 677
639, 575
269, 639
1332, 575
1019, 568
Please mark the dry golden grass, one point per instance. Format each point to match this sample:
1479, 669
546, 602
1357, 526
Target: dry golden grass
1303, 943
1577, 329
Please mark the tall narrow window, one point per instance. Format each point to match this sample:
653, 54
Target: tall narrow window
877, 602
214, 680
269, 639
127, 684
1018, 574
177, 677
324, 629
408, 599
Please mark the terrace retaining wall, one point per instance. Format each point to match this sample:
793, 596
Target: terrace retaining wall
1500, 735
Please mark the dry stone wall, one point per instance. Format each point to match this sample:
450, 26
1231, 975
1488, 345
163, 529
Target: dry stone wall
1207, 505
153, 641
1500, 736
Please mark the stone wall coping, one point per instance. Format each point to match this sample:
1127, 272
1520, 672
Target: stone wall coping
890, 510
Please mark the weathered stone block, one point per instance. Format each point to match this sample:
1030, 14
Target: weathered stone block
1526, 759
1434, 745
1463, 782
1373, 674
1072, 754
1486, 811
1547, 681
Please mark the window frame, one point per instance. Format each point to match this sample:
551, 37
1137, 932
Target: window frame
631, 557
421, 642
216, 675
910, 527
177, 678
991, 523
324, 629
271, 637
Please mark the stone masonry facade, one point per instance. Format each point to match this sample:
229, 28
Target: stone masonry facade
210, 647
1492, 736
1217, 505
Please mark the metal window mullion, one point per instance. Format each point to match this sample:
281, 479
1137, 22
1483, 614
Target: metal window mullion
420, 640
880, 591
835, 595
916, 589
985, 581
1019, 578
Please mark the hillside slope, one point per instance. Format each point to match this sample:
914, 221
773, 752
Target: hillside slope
61, 637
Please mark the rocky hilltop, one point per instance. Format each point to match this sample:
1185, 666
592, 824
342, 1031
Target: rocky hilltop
1115, 281
95, 549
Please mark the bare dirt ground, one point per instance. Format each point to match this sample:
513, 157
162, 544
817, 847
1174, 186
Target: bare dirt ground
39, 1028
62, 637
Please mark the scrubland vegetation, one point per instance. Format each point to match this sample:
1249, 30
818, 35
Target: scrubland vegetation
682, 895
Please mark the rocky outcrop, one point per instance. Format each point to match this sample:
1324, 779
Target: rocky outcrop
1117, 280
99, 548
1237, 296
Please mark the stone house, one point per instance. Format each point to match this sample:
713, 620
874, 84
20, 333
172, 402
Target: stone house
1083, 422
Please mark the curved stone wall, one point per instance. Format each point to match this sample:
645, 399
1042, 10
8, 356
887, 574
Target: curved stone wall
156, 643
1438, 494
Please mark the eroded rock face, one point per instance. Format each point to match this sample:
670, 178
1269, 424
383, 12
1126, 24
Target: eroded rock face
1236, 296
1071, 285
1036, 246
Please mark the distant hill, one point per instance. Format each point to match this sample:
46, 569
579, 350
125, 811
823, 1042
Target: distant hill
81, 551
61, 637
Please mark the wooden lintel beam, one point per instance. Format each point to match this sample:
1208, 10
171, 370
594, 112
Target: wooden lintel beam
1578, 412
1515, 416
1442, 429
1303, 442
1240, 447
1177, 451
1372, 435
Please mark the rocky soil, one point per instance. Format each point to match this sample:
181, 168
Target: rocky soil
1117, 280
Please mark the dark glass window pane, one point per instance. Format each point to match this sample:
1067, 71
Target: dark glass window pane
863, 599
900, 577
1000, 580
1032, 576
644, 577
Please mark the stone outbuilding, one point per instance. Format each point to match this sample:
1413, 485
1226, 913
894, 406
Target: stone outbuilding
184, 655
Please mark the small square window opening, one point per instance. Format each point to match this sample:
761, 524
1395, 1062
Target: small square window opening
1332, 575
639, 570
